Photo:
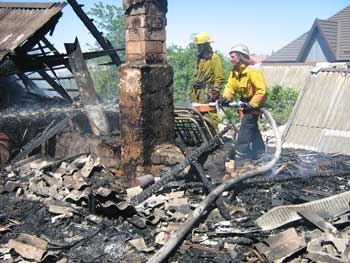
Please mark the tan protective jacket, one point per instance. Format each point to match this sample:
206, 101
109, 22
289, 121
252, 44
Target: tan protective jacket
249, 83
210, 71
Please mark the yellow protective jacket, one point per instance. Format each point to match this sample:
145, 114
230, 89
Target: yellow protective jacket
249, 83
210, 71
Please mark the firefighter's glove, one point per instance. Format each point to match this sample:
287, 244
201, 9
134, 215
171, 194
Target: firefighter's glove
223, 102
214, 95
247, 107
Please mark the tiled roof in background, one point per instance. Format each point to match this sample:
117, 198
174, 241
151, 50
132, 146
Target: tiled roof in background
335, 31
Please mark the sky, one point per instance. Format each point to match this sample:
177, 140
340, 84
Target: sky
265, 26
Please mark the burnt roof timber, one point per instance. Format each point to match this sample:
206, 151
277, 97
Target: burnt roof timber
55, 85
20, 22
28, 63
55, 51
104, 43
88, 95
39, 34
30, 84
50, 46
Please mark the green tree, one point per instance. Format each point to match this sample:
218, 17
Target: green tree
110, 20
280, 101
183, 62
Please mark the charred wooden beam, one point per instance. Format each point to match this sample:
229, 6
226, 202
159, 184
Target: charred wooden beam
220, 203
55, 85
105, 44
29, 83
81, 74
170, 175
101, 53
39, 35
28, 63
55, 51
42, 138
97, 117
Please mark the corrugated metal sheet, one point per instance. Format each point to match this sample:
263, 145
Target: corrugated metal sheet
19, 21
320, 120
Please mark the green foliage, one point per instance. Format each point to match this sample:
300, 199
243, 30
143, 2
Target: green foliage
229, 116
280, 101
111, 21
226, 64
183, 62
105, 79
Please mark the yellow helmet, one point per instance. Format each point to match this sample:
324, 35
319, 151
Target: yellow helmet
202, 37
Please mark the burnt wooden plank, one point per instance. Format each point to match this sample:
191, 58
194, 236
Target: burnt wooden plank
104, 43
81, 74
56, 86
97, 117
39, 140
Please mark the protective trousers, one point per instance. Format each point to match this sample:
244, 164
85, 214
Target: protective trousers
249, 144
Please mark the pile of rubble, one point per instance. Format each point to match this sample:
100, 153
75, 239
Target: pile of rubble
75, 210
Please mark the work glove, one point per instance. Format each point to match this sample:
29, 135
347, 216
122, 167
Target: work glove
246, 107
223, 102
214, 95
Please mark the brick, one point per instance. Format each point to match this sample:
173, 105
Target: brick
142, 7
145, 21
145, 47
137, 34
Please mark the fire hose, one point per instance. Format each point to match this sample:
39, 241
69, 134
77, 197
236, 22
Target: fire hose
197, 214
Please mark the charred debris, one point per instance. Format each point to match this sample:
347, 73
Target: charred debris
64, 195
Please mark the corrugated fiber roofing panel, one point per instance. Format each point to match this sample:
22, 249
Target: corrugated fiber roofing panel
19, 21
322, 107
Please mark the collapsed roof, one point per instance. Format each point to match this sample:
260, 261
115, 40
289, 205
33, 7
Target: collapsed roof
29, 23
26, 52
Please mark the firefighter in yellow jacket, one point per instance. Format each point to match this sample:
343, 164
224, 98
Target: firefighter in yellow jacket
209, 75
249, 84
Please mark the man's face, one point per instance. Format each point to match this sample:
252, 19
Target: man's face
200, 48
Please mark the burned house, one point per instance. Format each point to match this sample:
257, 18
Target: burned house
146, 123
83, 183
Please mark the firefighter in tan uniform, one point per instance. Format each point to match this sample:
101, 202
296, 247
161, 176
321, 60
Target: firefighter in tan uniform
209, 75
249, 84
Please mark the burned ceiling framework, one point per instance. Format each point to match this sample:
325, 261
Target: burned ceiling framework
26, 50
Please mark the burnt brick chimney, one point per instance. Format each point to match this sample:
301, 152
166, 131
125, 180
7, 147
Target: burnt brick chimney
146, 95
